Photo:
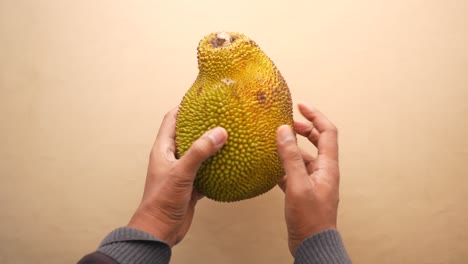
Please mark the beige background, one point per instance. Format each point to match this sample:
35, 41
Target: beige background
84, 86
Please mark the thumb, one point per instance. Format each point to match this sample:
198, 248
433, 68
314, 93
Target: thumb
290, 154
203, 148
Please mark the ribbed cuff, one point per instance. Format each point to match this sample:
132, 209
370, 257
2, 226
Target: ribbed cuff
132, 246
325, 247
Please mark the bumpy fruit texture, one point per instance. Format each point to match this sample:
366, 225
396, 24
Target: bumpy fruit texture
240, 89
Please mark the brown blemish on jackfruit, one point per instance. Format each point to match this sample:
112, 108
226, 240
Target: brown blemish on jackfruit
222, 39
199, 90
261, 97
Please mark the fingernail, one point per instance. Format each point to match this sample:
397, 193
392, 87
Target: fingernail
217, 135
285, 134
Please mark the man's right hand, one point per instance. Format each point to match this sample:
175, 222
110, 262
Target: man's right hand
311, 183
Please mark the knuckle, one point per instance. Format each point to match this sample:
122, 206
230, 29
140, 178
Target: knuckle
181, 183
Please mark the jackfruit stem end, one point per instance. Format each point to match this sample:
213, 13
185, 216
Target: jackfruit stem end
222, 39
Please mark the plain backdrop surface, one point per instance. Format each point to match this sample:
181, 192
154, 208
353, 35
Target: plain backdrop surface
84, 86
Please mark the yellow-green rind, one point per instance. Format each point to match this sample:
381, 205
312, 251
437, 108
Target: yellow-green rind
238, 88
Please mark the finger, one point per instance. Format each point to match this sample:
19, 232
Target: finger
308, 161
316, 117
291, 156
203, 148
327, 142
165, 140
307, 130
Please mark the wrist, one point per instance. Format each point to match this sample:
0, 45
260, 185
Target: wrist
153, 225
295, 238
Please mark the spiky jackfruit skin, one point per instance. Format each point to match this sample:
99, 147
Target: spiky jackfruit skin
240, 89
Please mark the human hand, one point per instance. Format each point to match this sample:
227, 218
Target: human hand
311, 183
168, 202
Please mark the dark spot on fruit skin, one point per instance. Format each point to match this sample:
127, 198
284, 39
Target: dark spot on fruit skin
199, 90
261, 97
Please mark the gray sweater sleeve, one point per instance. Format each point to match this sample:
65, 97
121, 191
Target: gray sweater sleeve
132, 246
325, 247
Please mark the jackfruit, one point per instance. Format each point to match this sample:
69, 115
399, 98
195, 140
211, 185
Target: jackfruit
240, 89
